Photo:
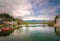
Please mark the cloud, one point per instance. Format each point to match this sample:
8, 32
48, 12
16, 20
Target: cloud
23, 9
44, 9
30, 9
15, 7
41, 17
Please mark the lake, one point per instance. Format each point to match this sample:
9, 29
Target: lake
32, 33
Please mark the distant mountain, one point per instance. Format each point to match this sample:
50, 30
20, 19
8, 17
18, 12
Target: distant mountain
36, 20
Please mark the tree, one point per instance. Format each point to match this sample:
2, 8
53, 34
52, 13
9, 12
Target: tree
6, 16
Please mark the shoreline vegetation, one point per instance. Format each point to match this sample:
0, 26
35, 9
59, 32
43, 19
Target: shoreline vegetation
8, 23
50, 23
7, 20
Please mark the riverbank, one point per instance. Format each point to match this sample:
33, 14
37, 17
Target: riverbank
49, 23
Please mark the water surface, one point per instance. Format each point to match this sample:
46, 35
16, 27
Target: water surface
32, 33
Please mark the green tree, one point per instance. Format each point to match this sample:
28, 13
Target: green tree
6, 17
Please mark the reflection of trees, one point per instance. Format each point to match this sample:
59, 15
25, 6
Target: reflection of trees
6, 33
57, 31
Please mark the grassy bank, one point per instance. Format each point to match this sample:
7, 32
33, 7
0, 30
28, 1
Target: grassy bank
35, 22
50, 23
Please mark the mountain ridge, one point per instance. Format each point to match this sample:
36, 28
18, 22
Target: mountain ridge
37, 20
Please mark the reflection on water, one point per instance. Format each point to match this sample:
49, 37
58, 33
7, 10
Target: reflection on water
57, 31
33, 34
36, 25
6, 33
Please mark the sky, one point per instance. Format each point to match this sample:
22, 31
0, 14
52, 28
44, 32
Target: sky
31, 9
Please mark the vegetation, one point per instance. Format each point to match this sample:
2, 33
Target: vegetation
50, 23
35, 22
18, 21
8, 18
